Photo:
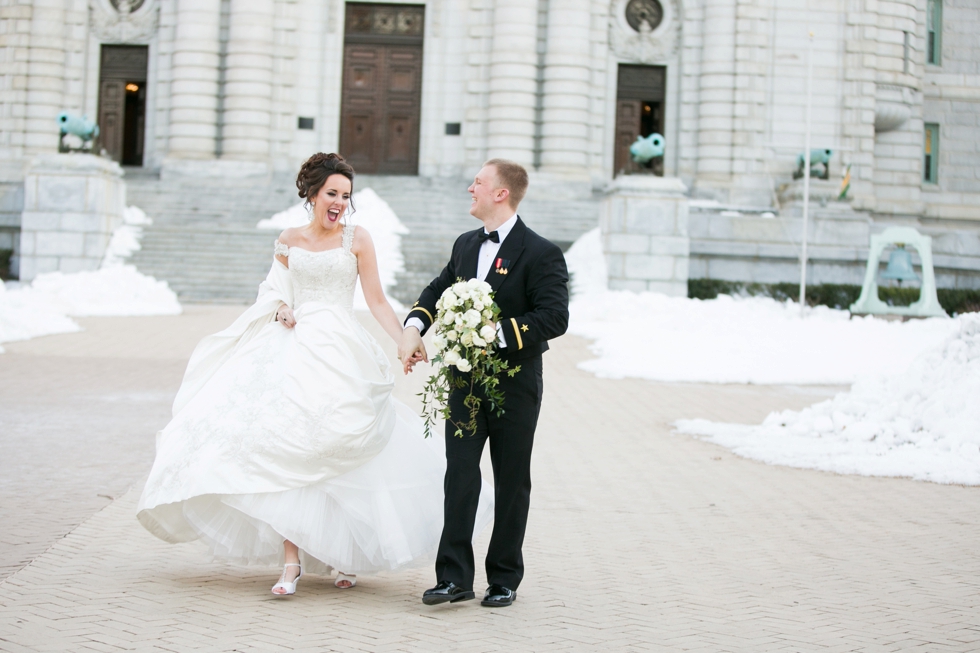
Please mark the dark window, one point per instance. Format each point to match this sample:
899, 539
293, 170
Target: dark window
930, 165
304, 123
453, 128
934, 32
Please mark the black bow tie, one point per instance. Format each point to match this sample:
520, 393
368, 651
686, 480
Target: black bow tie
484, 236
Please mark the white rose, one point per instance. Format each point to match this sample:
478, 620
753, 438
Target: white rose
449, 317
488, 314
467, 338
472, 318
479, 342
450, 357
451, 335
449, 300
478, 305
474, 283
463, 365
488, 332
458, 320
439, 342
459, 288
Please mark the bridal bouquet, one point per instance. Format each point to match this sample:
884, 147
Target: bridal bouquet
465, 343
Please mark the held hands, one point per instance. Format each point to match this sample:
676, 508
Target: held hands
411, 349
284, 316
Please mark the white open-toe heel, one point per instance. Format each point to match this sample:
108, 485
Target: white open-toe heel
341, 577
284, 587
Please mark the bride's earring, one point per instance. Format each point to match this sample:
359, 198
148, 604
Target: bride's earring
310, 212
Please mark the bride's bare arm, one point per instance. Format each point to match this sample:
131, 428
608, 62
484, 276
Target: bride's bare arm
284, 314
367, 268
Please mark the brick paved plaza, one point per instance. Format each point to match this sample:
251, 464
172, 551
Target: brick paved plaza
639, 540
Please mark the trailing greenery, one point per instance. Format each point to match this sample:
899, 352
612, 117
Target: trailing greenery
953, 300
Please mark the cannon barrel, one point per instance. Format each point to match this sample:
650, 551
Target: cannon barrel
77, 125
645, 148
816, 156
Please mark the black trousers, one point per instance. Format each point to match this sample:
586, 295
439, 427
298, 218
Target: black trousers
511, 437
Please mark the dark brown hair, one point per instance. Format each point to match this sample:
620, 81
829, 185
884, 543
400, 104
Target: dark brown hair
513, 177
317, 169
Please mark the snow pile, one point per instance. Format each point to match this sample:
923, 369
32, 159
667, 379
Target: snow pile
295, 216
126, 238
731, 340
372, 213
923, 424
43, 307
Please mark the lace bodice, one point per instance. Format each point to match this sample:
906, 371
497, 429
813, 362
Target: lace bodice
328, 276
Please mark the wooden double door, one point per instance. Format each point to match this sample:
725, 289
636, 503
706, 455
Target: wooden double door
381, 107
122, 102
640, 95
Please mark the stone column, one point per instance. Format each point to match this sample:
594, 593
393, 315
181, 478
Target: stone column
717, 94
248, 86
44, 81
513, 81
567, 87
194, 85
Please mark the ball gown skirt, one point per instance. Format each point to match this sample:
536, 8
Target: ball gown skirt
296, 436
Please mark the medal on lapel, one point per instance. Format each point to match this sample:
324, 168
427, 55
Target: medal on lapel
501, 265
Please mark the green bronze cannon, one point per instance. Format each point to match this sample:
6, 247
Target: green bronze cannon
644, 149
817, 157
79, 126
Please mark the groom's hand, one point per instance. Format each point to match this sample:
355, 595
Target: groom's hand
411, 349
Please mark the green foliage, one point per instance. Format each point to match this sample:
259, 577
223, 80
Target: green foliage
953, 300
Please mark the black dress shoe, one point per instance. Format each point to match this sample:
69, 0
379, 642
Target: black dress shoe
446, 591
498, 596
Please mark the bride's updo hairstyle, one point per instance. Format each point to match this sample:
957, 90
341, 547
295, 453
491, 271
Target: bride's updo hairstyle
317, 169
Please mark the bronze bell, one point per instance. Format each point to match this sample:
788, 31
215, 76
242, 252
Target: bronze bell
900, 266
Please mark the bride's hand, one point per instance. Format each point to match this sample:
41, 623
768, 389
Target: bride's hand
285, 317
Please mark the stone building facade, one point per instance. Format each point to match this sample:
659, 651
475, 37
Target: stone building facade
417, 94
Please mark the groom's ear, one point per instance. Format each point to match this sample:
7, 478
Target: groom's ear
502, 195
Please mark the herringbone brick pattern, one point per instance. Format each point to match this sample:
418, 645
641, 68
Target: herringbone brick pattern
639, 540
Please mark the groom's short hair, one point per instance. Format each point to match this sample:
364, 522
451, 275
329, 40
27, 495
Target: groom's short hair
511, 176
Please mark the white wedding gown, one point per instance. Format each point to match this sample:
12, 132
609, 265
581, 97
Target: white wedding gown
293, 434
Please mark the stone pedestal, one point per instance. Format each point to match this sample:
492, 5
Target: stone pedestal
72, 203
644, 234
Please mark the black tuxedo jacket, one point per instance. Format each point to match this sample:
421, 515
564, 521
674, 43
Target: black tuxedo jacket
530, 283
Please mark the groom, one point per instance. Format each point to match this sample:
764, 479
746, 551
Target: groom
529, 278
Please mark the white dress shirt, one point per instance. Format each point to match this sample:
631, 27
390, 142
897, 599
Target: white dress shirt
488, 252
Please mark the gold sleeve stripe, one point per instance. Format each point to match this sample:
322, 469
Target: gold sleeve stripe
517, 332
419, 308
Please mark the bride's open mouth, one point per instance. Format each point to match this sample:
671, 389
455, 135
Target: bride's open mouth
333, 215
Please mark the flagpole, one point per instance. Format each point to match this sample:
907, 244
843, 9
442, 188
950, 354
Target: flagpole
806, 170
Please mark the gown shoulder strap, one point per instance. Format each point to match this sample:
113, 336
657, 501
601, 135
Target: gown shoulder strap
348, 241
281, 250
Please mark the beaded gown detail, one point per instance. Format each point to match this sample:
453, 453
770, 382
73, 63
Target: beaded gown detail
293, 434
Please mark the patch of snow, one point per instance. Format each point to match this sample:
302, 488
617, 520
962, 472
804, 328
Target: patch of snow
587, 265
295, 216
731, 340
45, 306
376, 216
126, 238
922, 423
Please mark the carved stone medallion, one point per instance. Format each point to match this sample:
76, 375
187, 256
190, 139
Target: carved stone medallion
124, 21
644, 11
644, 31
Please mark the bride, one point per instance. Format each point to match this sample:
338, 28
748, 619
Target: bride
286, 445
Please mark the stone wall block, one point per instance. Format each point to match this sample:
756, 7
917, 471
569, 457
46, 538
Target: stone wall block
72, 202
628, 243
59, 243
